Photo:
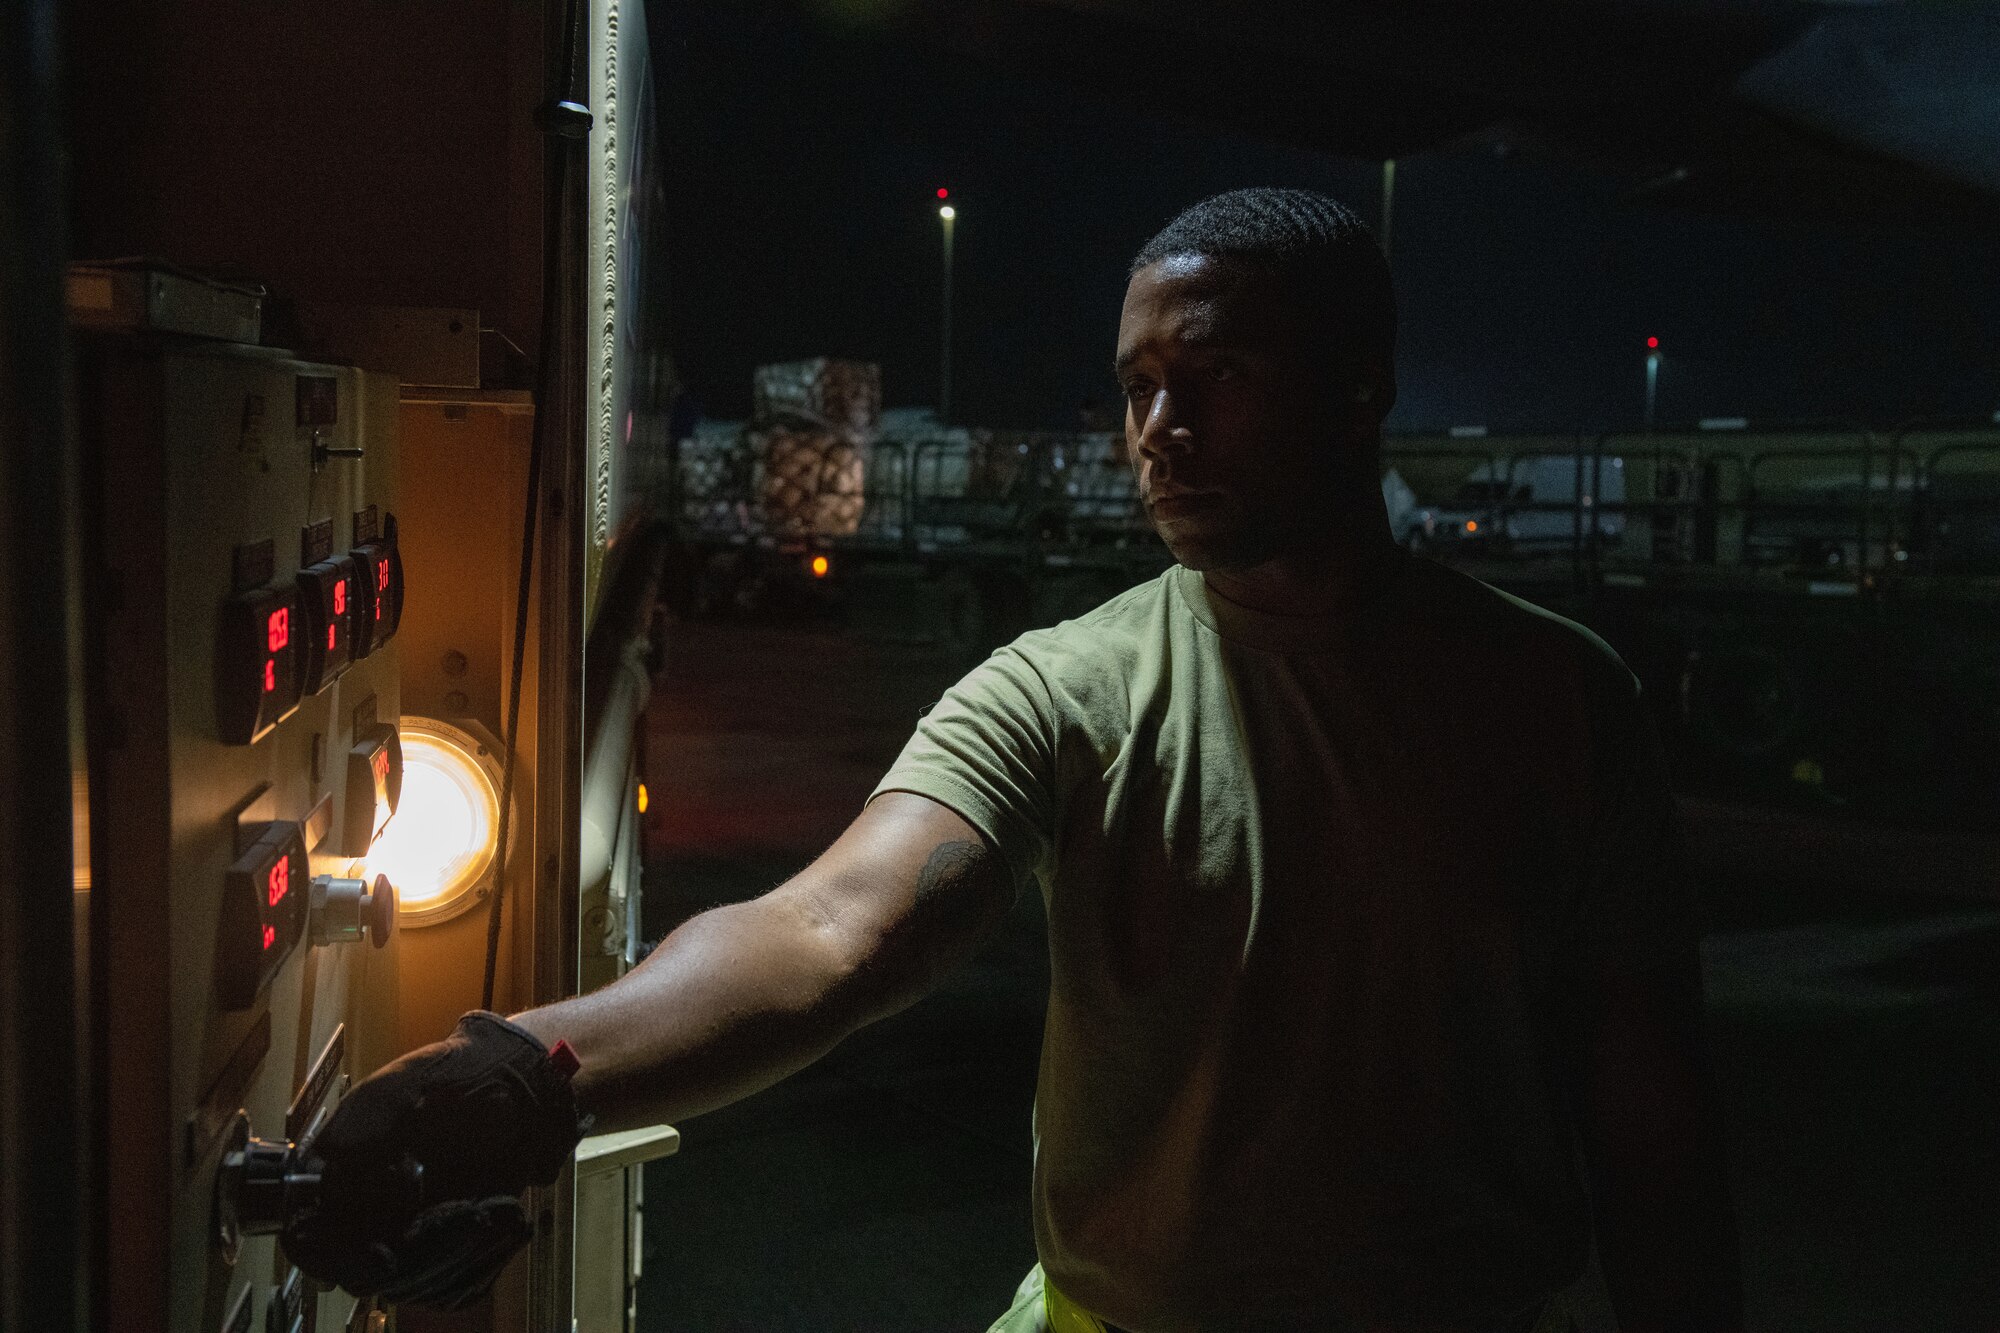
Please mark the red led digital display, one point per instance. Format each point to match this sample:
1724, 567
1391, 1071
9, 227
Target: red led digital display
374, 786
257, 662
373, 597
264, 913
328, 593
378, 596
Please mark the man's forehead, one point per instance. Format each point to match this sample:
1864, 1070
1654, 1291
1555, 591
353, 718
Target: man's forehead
1195, 298
1190, 279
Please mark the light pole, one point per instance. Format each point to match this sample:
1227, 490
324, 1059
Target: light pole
1652, 379
947, 215
1388, 202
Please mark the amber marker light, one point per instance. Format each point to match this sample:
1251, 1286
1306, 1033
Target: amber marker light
821, 566
440, 848
643, 800
1472, 525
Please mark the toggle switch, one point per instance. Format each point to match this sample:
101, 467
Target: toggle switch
344, 910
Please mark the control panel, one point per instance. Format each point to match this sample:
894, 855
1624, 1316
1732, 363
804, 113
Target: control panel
245, 696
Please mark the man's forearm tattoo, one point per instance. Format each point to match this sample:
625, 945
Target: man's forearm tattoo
949, 864
947, 907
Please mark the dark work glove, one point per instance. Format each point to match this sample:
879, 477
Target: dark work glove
423, 1163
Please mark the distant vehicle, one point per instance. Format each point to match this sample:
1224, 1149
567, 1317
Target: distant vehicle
1817, 522
1526, 505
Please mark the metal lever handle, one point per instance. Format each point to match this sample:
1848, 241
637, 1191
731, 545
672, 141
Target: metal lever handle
322, 452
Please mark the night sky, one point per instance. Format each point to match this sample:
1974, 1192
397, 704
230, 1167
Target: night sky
802, 171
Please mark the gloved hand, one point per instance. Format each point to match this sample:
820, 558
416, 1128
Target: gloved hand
423, 1163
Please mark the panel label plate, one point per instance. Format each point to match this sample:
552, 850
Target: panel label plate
317, 400
253, 565
315, 542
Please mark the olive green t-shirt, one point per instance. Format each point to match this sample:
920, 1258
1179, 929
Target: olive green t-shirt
1314, 887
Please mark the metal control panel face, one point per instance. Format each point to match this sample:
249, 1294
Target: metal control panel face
249, 965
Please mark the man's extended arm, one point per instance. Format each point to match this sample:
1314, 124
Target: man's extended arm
743, 995
422, 1162
1653, 1142
1647, 1111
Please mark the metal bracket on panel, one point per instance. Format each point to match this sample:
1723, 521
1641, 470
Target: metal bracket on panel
248, 818
315, 542
320, 822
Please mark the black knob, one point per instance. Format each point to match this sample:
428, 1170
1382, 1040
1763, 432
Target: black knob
262, 1187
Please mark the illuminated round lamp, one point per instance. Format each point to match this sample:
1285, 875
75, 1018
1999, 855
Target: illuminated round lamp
439, 849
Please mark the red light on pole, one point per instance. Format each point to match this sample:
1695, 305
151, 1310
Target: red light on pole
1652, 344
943, 193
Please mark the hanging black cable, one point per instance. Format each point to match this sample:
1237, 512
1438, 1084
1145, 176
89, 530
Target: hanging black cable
565, 120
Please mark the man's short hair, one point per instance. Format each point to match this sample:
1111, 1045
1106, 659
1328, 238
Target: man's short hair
1314, 241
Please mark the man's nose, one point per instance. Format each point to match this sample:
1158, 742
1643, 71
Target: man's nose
1166, 428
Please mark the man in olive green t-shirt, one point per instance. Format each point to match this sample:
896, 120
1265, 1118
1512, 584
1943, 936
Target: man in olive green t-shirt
1375, 994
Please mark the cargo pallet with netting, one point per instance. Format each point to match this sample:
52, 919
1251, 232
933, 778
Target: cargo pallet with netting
960, 533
